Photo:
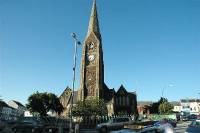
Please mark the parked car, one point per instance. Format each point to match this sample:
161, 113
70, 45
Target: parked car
114, 124
171, 121
164, 121
192, 117
125, 130
28, 125
198, 117
50, 129
184, 117
162, 128
2, 125
194, 127
165, 128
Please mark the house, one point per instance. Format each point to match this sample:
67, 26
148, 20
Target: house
6, 112
144, 107
177, 106
190, 106
18, 106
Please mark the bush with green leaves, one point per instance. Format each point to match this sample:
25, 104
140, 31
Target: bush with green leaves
165, 108
90, 107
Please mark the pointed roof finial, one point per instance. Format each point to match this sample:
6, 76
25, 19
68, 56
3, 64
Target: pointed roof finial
93, 23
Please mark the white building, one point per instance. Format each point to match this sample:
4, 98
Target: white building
28, 114
177, 108
190, 106
6, 112
11, 110
20, 108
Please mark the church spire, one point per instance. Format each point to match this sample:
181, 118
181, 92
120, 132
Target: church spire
94, 23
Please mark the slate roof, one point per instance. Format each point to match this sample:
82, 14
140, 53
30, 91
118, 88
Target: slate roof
175, 103
133, 93
18, 103
142, 103
190, 100
3, 104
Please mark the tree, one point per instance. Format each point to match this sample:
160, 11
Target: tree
90, 107
162, 100
42, 103
155, 105
165, 108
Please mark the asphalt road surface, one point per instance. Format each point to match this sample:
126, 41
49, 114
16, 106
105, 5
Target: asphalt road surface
182, 127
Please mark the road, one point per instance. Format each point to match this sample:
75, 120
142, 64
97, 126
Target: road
179, 129
182, 127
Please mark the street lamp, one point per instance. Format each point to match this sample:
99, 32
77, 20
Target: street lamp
197, 93
76, 43
170, 85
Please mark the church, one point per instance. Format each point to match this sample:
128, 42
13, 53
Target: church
92, 76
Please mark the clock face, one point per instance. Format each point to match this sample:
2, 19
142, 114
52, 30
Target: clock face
91, 57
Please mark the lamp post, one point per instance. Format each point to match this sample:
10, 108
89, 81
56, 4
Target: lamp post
197, 96
163, 91
76, 43
170, 85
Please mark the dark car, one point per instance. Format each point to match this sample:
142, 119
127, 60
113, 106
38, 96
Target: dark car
114, 124
184, 117
192, 117
28, 125
125, 130
2, 125
194, 127
172, 122
50, 129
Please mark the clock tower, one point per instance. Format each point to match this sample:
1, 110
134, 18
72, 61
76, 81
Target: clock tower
92, 83
92, 67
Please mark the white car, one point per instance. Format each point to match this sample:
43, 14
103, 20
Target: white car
165, 128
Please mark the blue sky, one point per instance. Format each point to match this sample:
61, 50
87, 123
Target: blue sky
149, 46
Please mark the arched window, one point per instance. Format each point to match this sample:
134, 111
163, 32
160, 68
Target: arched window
116, 101
127, 100
124, 100
120, 100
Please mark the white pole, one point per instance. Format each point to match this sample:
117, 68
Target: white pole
74, 77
